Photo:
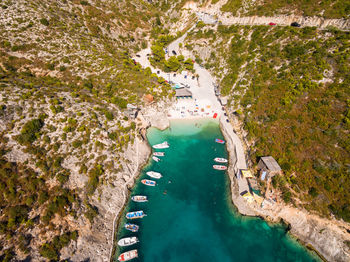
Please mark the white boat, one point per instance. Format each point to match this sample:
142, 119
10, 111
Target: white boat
219, 167
162, 145
158, 153
220, 160
148, 182
127, 241
135, 215
154, 174
155, 158
139, 198
128, 255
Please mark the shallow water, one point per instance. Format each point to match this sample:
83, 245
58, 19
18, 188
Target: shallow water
190, 216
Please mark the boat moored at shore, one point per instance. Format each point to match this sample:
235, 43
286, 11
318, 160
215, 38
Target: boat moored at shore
154, 174
131, 227
217, 140
134, 215
128, 255
148, 182
219, 167
139, 198
127, 241
155, 158
158, 153
220, 160
162, 145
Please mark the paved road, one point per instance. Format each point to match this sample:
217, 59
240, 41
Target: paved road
209, 17
175, 44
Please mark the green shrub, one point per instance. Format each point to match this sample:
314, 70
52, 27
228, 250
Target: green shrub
93, 181
52, 249
286, 196
49, 252
62, 177
43, 197
313, 192
77, 143
91, 212
44, 21
109, 115
120, 102
30, 131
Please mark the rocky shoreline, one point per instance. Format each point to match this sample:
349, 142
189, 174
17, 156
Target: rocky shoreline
325, 237
96, 240
151, 117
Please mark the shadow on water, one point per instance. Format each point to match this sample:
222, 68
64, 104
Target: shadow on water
190, 216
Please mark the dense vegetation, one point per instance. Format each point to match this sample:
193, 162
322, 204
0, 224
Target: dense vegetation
23, 191
293, 87
173, 63
325, 8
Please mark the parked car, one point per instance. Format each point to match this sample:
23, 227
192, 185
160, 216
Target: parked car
295, 24
271, 23
174, 53
193, 77
228, 121
138, 56
174, 75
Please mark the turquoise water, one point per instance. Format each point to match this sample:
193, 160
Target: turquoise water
190, 216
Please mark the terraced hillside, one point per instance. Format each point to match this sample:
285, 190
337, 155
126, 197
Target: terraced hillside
290, 89
66, 77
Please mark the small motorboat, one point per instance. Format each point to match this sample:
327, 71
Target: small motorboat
139, 198
126, 256
217, 140
219, 167
162, 145
220, 160
131, 227
153, 174
155, 158
158, 153
134, 215
148, 182
127, 241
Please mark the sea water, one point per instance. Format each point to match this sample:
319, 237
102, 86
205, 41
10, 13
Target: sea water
190, 216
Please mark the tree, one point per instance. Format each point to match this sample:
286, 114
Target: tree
189, 64
173, 64
158, 53
44, 21
49, 252
181, 58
